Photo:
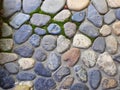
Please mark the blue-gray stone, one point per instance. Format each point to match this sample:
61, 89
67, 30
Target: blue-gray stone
3, 73
22, 34
40, 31
117, 58
54, 29
78, 16
94, 17
117, 13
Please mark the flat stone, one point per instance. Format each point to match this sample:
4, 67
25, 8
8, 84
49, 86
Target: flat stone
105, 30
89, 29
18, 19
39, 19
95, 78
77, 5
107, 65
63, 44
109, 17
41, 70
111, 44
26, 63
52, 7
22, 34
70, 29
7, 57
89, 58
99, 45
117, 13
40, 31
6, 44
116, 28
49, 42
94, 17
101, 7
113, 4
61, 73
10, 7
81, 41
71, 56
54, 28
13, 68
21, 87
29, 7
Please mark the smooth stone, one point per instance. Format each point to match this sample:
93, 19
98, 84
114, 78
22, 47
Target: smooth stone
22, 87
34, 40
95, 78
94, 17
49, 42
7, 57
40, 31
39, 19
41, 70
105, 30
61, 73
89, 29
116, 58
3, 73
52, 7
117, 13
22, 34
89, 58
63, 44
25, 76
71, 56
70, 29
111, 44
12, 68
78, 4
100, 6
11, 6
40, 54
18, 19
116, 27
54, 28
31, 6
26, 83
107, 65
99, 44
54, 61
6, 44
81, 41
78, 16
113, 4
109, 17
26, 63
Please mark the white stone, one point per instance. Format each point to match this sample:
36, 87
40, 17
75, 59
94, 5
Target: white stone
113, 3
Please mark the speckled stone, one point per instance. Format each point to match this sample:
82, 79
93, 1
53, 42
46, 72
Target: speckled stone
40, 31
113, 4
117, 13
116, 27
105, 30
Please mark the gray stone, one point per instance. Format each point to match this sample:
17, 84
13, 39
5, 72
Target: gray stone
40, 31
117, 13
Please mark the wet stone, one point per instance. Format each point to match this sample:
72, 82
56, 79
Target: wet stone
117, 13
40, 31
105, 30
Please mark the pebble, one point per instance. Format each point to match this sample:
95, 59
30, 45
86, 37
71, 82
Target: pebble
81, 41
94, 17
12, 68
39, 19
3, 73
22, 34
107, 65
99, 45
77, 5
40, 31
62, 15
6, 44
7, 57
31, 6
109, 17
117, 13
61, 73
22, 87
54, 29
89, 58
113, 4
52, 7
89, 29
26, 63
41, 70
54, 61
78, 16
27, 83
49, 42
63, 44
111, 44
70, 29
105, 30
95, 78
18, 19
116, 27
71, 56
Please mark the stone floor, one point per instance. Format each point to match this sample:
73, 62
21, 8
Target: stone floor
60, 45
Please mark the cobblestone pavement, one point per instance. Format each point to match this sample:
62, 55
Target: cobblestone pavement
60, 45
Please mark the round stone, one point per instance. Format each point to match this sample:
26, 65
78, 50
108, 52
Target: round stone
116, 28
117, 13
114, 4
105, 30
40, 31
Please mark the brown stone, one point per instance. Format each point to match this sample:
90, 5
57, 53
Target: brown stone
116, 28
113, 3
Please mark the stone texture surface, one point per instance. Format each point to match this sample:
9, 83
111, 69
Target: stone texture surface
116, 28
113, 4
22, 87
40, 31
117, 13
105, 30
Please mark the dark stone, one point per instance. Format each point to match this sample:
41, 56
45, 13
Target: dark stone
40, 31
117, 58
3, 73
117, 13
